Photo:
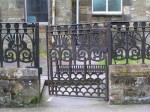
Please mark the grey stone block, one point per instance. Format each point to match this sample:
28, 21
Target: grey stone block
127, 2
129, 84
127, 17
19, 87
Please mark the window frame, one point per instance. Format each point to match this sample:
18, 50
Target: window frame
40, 23
107, 12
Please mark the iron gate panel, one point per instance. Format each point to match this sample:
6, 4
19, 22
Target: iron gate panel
19, 45
130, 41
75, 54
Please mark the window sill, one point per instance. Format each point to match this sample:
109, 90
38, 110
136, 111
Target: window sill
107, 13
40, 23
43, 23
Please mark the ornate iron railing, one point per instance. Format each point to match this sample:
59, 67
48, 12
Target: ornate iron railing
19, 45
76, 51
129, 41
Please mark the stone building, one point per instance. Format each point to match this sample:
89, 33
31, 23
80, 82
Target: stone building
72, 11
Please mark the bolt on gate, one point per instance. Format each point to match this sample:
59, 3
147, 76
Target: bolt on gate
77, 60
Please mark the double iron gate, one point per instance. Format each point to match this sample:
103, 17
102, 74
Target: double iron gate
78, 60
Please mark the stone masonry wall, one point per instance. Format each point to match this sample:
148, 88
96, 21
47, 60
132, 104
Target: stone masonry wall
19, 87
86, 16
136, 10
63, 12
11, 10
129, 84
133, 10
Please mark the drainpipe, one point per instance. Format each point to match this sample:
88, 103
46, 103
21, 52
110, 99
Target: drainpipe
53, 12
25, 10
77, 11
49, 12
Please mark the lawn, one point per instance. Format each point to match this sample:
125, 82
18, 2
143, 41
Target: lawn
102, 62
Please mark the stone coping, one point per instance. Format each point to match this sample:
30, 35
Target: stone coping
128, 68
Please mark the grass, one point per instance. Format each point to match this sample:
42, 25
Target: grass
102, 62
35, 100
43, 54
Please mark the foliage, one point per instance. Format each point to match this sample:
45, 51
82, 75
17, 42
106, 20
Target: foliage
124, 61
35, 100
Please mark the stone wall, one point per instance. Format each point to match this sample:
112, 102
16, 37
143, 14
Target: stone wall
19, 87
63, 12
133, 10
129, 84
12, 10
136, 10
86, 16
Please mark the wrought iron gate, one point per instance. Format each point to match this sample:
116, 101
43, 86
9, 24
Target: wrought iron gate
77, 60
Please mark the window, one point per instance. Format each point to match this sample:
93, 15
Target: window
36, 10
107, 7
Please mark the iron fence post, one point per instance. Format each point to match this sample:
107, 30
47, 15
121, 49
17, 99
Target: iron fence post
143, 24
109, 39
51, 82
85, 69
1, 47
108, 58
17, 44
127, 42
57, 70
70, 68
37, 45
47, 50
107, 78
37, 59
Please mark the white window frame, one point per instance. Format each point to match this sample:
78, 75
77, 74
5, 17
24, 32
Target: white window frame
40, 23
107, 12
